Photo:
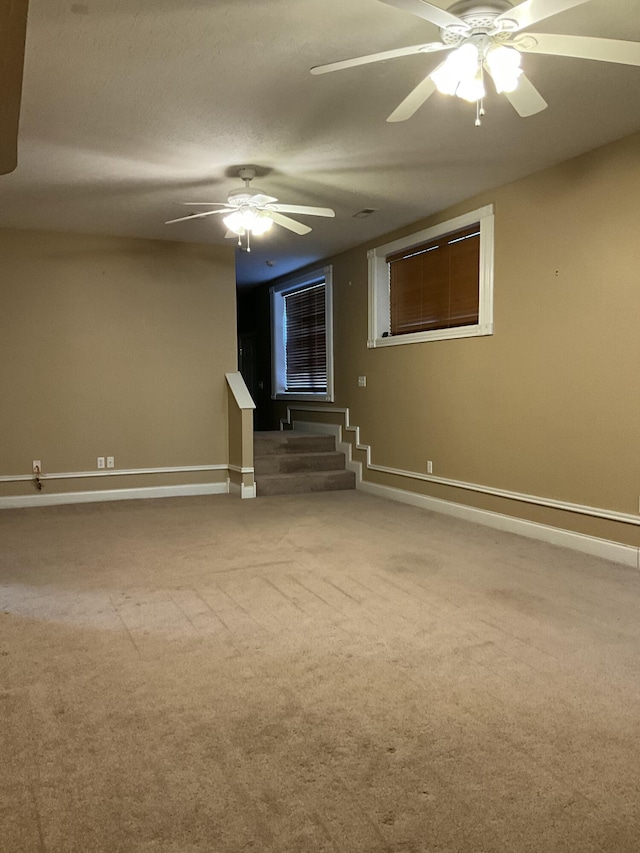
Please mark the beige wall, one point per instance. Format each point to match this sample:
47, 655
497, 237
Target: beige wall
549, 405
113, 347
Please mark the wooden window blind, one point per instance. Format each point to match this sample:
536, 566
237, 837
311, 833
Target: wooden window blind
436, 285
305, 339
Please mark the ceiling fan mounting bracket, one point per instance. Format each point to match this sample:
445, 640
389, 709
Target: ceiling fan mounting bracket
473, 8
247, 173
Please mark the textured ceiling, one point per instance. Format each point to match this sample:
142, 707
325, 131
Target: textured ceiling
131, 106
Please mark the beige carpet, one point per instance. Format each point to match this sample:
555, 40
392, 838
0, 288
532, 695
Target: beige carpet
312, 673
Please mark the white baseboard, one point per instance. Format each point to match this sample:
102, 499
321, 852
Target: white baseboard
614, 551
23, 501
242, 491
627, 555
110, 472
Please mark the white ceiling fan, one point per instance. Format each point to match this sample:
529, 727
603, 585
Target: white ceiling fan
485, 38
249, 211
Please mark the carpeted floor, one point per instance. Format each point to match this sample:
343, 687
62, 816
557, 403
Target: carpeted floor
329, 672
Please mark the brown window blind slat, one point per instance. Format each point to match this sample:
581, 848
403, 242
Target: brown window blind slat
464, 271
305, 339
436, 285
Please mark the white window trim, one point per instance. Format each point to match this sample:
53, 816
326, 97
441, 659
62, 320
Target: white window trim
379, 285
278, 293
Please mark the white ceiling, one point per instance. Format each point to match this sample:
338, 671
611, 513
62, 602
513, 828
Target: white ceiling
131, 106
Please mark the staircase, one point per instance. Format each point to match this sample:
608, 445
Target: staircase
289, 463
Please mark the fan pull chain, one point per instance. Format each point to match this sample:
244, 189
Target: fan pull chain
480, 101
248, 246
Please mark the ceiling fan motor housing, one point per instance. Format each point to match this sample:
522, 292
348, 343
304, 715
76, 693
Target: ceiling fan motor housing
479, 19
242, 196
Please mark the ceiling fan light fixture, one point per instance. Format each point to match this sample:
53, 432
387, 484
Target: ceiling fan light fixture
234, 222
459, 72
262, 224
446, 81
504, 66
248, 220
472, 88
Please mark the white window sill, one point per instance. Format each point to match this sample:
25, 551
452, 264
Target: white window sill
437, 335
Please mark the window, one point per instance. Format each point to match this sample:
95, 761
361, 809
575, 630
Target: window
301, 319
435, 284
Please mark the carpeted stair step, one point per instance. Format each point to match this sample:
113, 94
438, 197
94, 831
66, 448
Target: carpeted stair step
309, 481
290, 463
287, 441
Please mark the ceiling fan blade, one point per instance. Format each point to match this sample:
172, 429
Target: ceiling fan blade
13, 30
428, 12
197, 215
526, 100
532, 11
414, 100
581, 47
231, 235
380, 57
205, 203
291, 224
299, 208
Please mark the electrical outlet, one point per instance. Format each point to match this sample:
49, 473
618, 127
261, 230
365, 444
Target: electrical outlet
100, 461
362, 381
36, 466
111, 462
429, 467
